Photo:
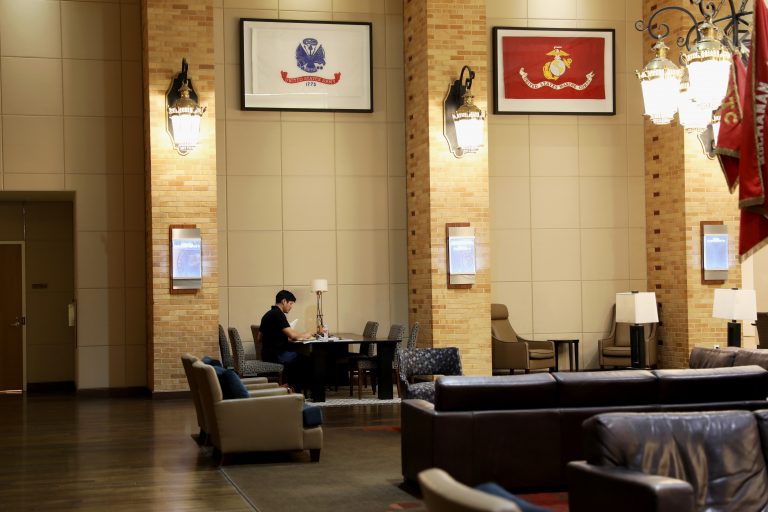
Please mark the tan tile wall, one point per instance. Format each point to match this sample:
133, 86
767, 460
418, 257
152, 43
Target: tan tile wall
440, 38
70, 100
306, 195
181, 189
567, 192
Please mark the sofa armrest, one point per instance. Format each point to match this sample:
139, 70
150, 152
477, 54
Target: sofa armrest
603, 488
509, 354
541, 345
255, 380
278, 391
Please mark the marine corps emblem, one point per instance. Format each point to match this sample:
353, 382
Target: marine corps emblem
553, 69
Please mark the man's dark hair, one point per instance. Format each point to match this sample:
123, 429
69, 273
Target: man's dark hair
284, 294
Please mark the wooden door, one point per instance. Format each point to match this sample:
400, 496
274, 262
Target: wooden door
11, 321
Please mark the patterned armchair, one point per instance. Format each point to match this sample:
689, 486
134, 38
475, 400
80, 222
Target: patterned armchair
251, 367
426, 361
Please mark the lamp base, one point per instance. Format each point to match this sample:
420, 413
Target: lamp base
734, 334
637, 345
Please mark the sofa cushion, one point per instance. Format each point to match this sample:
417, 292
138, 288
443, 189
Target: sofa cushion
708, 385
702, 357
495, 489
312, 416
746, 357
594, 389
713, 451
231, 385
465, 393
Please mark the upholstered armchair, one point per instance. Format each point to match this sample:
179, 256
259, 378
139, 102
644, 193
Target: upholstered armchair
614, 349
267, 423
512, 352
426, 361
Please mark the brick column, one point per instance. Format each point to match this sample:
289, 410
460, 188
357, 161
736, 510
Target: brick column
441, 36
683, 188
179, 189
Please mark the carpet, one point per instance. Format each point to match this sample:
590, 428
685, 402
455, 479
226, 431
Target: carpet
359, 470
341, 398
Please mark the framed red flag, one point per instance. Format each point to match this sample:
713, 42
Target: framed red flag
554, 71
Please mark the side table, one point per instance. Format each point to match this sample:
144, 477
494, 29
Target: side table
573, 353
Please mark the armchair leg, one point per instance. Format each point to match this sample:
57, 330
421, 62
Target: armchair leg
314, 455
280, 378
527, 370
360, 375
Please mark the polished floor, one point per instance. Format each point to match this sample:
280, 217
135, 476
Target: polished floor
64, 453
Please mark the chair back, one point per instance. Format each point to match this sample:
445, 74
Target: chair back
622, 330
414, 334
396, 332
256, 341
238, 352
187, 360
210, 393
226, 353
370, 331
429, 361
500, 327
762, 330
444, 494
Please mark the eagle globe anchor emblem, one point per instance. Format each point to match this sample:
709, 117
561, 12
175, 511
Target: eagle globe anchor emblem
310, 55
555, 68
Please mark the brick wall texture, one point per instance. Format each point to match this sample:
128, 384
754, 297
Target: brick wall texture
439, 38
179, 189
683, 188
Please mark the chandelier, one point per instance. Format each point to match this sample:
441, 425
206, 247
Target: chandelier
694, 90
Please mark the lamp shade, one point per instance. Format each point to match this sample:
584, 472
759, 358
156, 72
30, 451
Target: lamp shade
319, 285
636, 308
735, 304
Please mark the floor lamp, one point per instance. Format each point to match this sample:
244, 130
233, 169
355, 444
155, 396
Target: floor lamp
637, 308
319, 286
733, 304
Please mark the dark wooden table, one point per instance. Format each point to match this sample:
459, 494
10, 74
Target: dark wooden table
323, 353
573, 350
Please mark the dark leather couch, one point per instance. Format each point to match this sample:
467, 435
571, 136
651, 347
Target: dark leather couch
521, 430
727, 356
672, 462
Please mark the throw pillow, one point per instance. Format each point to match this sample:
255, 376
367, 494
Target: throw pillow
312, 415
497, 490
231, 385
211, 361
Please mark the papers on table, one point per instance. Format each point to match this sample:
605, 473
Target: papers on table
294, 323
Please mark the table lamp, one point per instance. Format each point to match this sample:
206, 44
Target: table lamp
319, 286
734, 304
636, 308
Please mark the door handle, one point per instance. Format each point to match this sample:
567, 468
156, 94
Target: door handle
17, 323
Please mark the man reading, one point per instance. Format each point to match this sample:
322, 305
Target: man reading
275, 333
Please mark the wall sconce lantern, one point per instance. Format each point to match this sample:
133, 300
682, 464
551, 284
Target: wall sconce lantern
184, 112
464, 122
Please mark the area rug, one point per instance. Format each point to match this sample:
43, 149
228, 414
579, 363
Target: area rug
359, 470
341, 398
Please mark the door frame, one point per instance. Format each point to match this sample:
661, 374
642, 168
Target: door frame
23, 311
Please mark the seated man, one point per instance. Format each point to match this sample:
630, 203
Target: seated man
275, 332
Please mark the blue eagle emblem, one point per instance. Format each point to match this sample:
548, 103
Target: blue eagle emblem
310, 55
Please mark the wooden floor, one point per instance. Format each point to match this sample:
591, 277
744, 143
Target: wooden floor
59, 452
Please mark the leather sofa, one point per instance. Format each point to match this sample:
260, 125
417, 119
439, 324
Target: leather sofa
520, 431
727, 356
672, 462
